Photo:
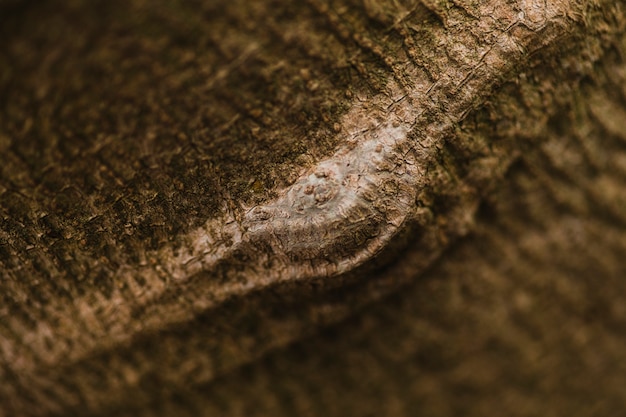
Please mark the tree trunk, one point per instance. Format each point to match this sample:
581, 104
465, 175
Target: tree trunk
328, 207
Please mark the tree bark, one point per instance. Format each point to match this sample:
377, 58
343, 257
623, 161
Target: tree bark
209, 208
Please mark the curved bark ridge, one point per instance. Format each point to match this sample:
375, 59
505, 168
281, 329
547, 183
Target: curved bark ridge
347, 208
337, 214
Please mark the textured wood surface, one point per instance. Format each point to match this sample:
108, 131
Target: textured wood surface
140, 141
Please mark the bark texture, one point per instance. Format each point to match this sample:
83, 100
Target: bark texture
209, 207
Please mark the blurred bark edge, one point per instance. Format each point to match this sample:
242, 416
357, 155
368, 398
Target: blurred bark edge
320, 207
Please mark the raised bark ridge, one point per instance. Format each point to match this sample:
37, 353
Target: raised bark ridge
340, 210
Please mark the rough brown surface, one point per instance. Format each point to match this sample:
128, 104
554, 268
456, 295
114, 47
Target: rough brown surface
127, 127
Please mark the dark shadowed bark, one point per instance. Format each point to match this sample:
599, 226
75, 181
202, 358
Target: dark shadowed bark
322, 207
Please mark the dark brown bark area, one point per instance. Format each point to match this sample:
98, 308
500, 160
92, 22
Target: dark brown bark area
123, 125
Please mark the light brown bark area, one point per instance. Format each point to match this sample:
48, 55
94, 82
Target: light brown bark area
50, 258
